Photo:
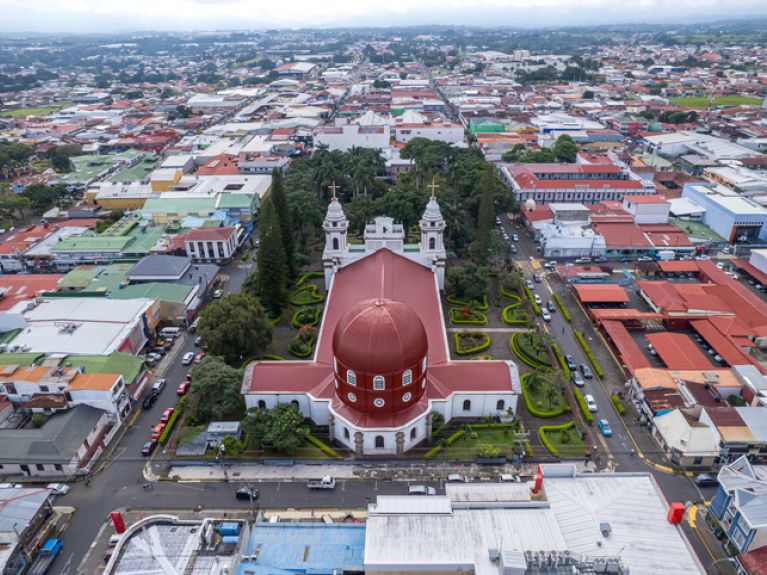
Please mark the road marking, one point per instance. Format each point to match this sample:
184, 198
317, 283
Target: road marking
279, 483
343, 485
692, 515
68, 565
375, 485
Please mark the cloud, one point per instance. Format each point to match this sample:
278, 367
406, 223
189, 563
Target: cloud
113, 15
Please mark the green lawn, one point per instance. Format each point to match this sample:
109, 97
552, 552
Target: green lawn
696, 229
574, 447
702, 101
539, 398
466, 447
24, 112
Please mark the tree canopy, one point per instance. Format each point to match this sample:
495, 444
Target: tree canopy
282, 210
217, 387
271, 276
281, 428
235, 327
469, 282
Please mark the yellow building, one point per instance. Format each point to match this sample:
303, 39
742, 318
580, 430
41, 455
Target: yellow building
162, 179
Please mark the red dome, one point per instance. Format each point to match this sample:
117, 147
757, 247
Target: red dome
379, 336
379, 347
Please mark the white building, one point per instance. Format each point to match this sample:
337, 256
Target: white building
647, 209
211, 245
350, 136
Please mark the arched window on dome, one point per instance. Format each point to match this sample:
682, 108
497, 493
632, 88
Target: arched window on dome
407, 377
335, 244
351, 377
500, 405
379, 441
467, 405
432, 243
379, 384
423, 364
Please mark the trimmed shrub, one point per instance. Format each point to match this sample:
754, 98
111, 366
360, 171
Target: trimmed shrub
306, 316
508, 293
455, 437
560, 358
477, 347
306, 295
526, 351
433, 451
171, 422
308, 275
532, 409
587, 415
515, 314
562, 307
531, 299
619, 407
299, 348
276, 320
323, 447
545, 440
480, 306
475, 317
587, 350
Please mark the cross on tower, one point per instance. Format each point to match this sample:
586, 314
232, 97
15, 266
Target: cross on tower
434, 187
333, 188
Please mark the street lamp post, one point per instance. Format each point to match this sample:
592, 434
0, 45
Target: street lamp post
222, 454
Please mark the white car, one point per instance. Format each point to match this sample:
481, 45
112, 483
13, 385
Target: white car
58, 488
590, 403
218, 293
188, 358
545, 314
537, 299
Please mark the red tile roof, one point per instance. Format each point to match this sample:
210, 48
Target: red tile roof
730, 352
631, 356
601, 293
651, 199
622, 234
678, 351
22, 240
26, 287
210, 234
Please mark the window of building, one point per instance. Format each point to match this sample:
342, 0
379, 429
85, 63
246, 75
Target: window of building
379, 441
432, 243
737, 538
378, 383
335, 243
351, 377
413, 433
407, 397
351, 397
697, 460
44, 388
466, 405
500, 405
295, 403
40, 467
261, 404
346, 433
407, 377
379, 402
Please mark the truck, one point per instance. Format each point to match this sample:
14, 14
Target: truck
327, 482
45, 556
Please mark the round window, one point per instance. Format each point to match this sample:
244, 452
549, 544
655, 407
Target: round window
351, 397
407, 397
378, 402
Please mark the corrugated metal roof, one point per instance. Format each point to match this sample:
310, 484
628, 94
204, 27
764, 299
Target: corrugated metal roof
407, 504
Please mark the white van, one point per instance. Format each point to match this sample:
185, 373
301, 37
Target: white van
170, 332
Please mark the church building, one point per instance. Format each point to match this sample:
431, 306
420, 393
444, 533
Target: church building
382, 363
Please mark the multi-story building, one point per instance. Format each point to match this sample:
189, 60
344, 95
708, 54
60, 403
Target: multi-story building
211, 244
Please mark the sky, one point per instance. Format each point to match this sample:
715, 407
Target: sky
78, 16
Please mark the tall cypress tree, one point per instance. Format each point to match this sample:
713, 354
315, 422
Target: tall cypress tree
486, 215
272, 272
280, 201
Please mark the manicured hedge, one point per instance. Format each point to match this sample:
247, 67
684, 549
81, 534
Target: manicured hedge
481, 358
587, 415
457, 318
308, 275
171, 422
455, 437
532, 409
545, 440
562, 307
589, 354
306, 295
512, 310
433, 451
466, 351
523, 355
531, 299
298, 318
276, 320
619, 405
301, 349
324, 448
508, 293
480, 306
560, 357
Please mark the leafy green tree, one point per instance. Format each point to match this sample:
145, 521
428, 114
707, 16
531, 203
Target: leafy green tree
306, 213
60, 156
217, 387
281, 428
232, 445
12, 206
272, 267
360, 211
235, 327
565, 149
42, 196
280, 202
486, 217
469, 282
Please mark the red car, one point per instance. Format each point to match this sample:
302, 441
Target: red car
166, 415
199, 357
149, 446
157, 431
183, 388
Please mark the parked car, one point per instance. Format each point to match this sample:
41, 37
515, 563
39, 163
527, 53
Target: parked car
199, 357
513, 249
529, 284
166, 415
570, 360
198, 341
158, 351
590, 403
188, 358
150, 400
706, 480
421, 490
583, 261
604, 427
515, 238
157, 431
246, 493
148, 448
586, 371
538, 278
545, 314
551, 306
537, 299
578, 379
645, 259
457, 478
58, 488
218, 293
158, 386
183, 388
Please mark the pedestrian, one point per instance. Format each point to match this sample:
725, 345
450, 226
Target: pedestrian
563, 330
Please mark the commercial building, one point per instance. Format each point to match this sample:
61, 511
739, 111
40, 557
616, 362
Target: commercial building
348, 136
23, 511
211, 245
731, 215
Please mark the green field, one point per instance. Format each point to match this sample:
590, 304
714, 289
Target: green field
24, 112
702, 101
